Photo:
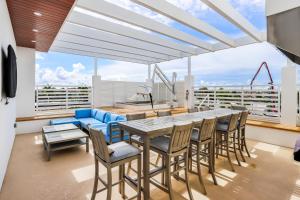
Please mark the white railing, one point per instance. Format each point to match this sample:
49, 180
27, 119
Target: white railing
262, 101
62, 97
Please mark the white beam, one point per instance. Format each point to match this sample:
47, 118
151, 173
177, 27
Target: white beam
92, 22
149, 71
65, 37
98, 55
110, 10
165, 8
224, 8
70, 45
100, 35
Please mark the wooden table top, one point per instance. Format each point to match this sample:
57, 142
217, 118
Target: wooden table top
151, 125
57, 128
63, 136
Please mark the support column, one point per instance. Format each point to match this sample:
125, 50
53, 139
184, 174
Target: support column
149, 71
189, 83
289, 94
95, 66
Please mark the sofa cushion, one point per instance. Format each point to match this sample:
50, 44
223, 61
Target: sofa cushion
100, 115
89, 121
82, 113
93, 113
116, 117
69, 120
107, 117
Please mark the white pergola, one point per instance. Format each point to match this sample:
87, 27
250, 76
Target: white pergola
85, 33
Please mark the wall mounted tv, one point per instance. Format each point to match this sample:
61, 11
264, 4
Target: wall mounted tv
10, 73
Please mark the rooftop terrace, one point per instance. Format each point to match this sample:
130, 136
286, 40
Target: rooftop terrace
106, 29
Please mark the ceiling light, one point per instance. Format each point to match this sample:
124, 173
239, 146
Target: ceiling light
33, 41
35, 30
37, 14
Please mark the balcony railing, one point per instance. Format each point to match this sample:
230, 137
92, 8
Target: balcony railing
262, 101
62, 97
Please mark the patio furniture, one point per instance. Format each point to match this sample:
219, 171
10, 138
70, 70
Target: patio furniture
163, 113
192, 110
202, 147
97, 119
134, 139
153, 127
242, 144
91, 117
111, 129
59, 137
171, 148
225, 132
114, 155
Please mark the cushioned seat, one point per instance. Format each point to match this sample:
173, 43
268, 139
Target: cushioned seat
122, 150
161, 143
89, 121
69, 120
137, 138
195, 135
222, 127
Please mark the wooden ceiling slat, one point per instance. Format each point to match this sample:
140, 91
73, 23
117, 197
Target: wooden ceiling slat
24, 21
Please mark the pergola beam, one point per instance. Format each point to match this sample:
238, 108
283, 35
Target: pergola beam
73, 45
99, 35
224, 8
65, 37
96, 23
173, 12
98, 55
116, 12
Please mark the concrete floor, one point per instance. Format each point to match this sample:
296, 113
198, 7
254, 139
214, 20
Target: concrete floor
270, 175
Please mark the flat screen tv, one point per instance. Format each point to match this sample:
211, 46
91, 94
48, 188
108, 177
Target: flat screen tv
10, 73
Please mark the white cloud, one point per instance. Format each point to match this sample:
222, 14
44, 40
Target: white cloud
61, 76
123, 71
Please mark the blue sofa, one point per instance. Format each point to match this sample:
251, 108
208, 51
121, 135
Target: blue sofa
97, 119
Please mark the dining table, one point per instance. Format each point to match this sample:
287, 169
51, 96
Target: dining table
150, 128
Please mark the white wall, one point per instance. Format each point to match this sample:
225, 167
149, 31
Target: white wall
7, 112
26, 82
107, 93
272, 136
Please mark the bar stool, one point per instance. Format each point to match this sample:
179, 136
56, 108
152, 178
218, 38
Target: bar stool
114, 155
223, 135
134, 139
161, 114
241, 134
193, 110
202, 146
172, 147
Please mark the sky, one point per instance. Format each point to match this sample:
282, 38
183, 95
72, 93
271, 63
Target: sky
227, 67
